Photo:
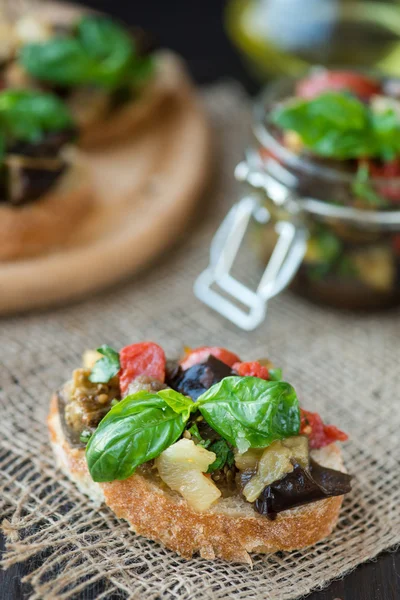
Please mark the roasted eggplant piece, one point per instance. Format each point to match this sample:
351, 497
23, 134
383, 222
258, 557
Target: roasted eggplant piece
302, 486
199, 378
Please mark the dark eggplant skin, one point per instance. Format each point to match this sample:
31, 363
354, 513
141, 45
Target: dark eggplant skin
197, 379
34, 183
300, 487
48, 147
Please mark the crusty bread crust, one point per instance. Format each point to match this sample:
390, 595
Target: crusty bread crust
49, 222
230, 530
170, 78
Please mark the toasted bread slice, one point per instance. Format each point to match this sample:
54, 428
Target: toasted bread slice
47, 223
231, 529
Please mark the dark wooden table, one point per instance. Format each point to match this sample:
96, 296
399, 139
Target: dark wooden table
194, 29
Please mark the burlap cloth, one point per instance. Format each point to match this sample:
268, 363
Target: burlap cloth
345, 366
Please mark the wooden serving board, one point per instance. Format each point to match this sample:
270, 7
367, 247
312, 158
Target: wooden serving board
146, 188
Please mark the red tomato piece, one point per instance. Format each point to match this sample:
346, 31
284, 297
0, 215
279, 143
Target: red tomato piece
145, 358
251, 369
396, 244
323, 81
386, 171
319, 434
199, 355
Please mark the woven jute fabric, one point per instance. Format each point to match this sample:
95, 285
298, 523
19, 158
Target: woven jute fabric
343, 365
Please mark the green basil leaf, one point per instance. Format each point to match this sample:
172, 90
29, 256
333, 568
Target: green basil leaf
178, 402
338, 125
275, 374
386, 128
328, 246
108, 43
85, 436
26, 115
135, 431
333, 124
224, 455
195, 433
61, 61
2, 146
102, 53
362, 187
105, 368
251, 412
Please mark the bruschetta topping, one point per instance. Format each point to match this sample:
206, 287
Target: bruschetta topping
211, 428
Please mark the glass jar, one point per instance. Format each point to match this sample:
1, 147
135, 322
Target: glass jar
286, 37
314, 223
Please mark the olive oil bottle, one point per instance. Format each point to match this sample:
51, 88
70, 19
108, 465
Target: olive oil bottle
286, 37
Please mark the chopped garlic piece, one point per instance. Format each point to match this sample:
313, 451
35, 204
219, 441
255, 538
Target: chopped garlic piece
182, 467
275, 463
248, 459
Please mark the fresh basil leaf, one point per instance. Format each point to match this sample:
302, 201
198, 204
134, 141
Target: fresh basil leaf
275, 374
61, 61
135, 431
328, 246
195, 433
142, 69
26, 115
85, 436
386, 128
2, 145
338, 125
105, 368
102, 53
224, 455
178, 402
251, 412
333, 124
108, 43
102, 37
362, 187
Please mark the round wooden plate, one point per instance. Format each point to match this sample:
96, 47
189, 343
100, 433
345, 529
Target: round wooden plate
146, 188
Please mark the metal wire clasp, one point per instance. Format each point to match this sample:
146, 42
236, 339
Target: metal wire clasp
282, 265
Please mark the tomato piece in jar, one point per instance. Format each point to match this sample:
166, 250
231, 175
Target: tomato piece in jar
396, 244
199, 355
386, 171
251, 369
145, 358
323, 81
318, 433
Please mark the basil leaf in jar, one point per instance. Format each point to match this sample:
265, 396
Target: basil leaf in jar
363, 188
250, 412
337, 125
135, 431
105, 368
332, 125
